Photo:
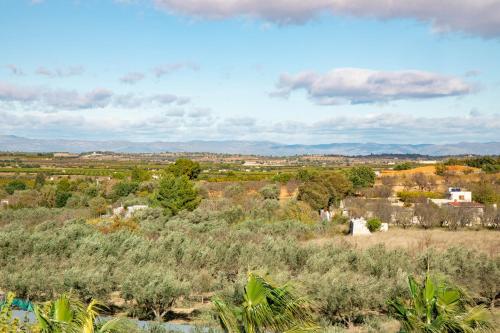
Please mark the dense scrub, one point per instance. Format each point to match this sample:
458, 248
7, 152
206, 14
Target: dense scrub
165, 260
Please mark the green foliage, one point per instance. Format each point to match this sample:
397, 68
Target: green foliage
139, 175
362, 176
485, 193
441, 169
154, 289
282, 177
266, 308
98, 206
305, 175
270, 192
373, 224
39, 180
175, 194
67, 314
61, 198
124, 188
403, 166
185, 167
323, 191
435, 306
15, 185
418, 196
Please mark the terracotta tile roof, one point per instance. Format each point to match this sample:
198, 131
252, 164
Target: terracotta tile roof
466, 204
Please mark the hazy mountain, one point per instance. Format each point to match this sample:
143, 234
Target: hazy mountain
15, 143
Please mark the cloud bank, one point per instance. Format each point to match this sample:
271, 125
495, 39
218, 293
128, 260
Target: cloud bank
358, 86
184, 124
474, 17
61, 100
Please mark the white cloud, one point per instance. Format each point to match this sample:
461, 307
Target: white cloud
178, 125
165, 69
56, 99
132, 78
60, 99
475, 17
356, 86
60, 72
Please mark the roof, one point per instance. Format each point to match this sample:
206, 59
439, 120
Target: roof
466, 204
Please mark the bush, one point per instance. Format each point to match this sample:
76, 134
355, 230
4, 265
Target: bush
270, 192
373, 224
124, 188
418, 196
15, 185
175, 194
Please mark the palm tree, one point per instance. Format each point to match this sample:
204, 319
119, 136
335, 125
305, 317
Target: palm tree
266, 308
69, 315
435, 307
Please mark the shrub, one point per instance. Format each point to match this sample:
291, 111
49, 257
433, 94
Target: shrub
15, 185
62, 198
175, 194
373, 224
270, 192
418, 196
403, 166
124, 188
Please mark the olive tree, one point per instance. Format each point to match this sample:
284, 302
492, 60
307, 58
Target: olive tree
153, 289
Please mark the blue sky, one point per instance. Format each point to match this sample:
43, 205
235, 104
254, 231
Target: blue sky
288, 71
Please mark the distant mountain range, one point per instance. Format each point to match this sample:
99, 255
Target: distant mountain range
13, 143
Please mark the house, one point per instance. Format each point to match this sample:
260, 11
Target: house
455, 194
127, 212
4, 202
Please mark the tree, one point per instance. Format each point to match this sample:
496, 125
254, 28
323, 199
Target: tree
421, 180
175, 194
323, 191
124, 188
266, 308
435, 306
441, 169
139, 175
98, 206
48, 196
362, 176
62, 198
15, 185
154, 289
429, 215
185, 167
485, 193
403, 166
39, 180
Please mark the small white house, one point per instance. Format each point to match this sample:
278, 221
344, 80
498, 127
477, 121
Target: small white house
128, 211
4, 202
455, 194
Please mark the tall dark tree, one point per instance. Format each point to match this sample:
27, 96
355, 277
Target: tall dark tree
185, 167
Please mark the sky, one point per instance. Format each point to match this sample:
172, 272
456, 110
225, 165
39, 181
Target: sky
288, 71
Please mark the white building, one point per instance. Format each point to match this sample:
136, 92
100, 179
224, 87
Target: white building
455, 194
128, 211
